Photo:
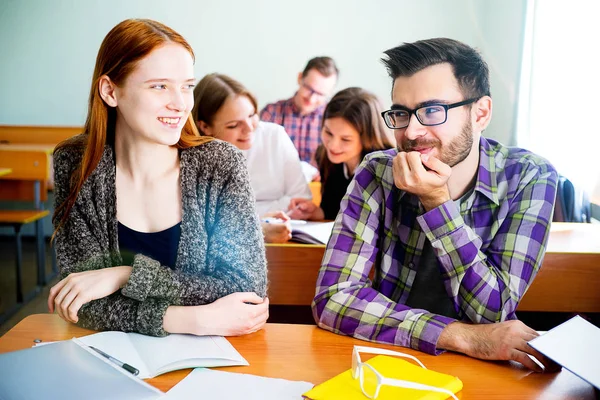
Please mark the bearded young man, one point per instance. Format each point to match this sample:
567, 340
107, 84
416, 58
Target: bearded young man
454, 224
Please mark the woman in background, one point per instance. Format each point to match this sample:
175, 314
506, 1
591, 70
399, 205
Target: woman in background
155, 228
226, 110
352, 128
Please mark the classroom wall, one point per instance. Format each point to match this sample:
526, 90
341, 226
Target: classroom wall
49, 47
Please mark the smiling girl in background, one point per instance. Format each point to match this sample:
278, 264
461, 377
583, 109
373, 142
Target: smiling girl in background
226, 110
155, 228
352, 128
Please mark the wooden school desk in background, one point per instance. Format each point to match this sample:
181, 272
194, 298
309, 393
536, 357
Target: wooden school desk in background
304, 352
26, 184
568, 281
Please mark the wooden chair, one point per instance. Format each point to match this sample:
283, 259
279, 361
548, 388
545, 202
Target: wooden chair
32, 168
315, 190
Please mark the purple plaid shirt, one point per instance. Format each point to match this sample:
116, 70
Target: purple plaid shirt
488, 251
304, 130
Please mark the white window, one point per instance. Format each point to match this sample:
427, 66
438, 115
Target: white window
559, 105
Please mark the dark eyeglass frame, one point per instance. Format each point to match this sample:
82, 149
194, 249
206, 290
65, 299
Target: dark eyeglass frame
410, 112
312, 91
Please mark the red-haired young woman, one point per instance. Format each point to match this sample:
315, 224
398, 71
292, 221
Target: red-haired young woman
155, 227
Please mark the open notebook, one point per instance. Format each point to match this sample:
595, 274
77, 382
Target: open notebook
154, 356
312, 232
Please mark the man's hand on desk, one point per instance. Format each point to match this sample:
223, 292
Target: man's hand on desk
79, 288
499, 341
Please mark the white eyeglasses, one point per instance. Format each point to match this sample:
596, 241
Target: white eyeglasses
371, 380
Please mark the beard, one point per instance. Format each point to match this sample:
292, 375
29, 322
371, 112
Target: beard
453, 153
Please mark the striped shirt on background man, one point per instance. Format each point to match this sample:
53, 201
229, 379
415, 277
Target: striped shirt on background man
304, 130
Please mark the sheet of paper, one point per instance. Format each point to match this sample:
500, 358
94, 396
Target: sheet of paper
574, 345
204, 383
313, 232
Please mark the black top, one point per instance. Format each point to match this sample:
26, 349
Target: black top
160, 246
428, 291
334, 189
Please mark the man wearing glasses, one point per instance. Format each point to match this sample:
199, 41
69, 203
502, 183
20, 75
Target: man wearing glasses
454, 224
302, 114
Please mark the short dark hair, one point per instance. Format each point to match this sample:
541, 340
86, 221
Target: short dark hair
470, 70
325, 65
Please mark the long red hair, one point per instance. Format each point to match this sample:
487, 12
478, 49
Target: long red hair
122, 48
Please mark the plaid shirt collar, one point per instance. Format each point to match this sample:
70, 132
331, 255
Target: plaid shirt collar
296, 111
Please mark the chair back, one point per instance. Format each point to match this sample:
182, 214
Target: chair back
29, 176
572, 204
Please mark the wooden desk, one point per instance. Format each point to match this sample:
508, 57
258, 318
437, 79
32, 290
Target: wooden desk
25, 160
303, 352
570, 275
568, 281
37, 134
44, 148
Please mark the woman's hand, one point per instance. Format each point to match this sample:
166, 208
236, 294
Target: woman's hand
276, 232
233, 315
276, 227
277, 215
304, 209
79, 288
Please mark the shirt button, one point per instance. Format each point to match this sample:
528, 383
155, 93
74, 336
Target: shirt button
411, 265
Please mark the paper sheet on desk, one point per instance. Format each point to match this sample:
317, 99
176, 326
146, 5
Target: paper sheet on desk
204, 383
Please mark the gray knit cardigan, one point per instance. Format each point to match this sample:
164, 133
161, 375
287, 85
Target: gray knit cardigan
221, 248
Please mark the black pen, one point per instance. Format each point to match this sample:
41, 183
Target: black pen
121, 364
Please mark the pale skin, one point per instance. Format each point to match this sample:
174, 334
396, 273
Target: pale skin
152, 106
313, 90
235, 122
342, 144
423, 172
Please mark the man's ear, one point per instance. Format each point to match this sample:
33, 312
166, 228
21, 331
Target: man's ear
300, 77
482, 113
106, 87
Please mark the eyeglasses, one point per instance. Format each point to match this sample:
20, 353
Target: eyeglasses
312, 91
429, 115
371, 380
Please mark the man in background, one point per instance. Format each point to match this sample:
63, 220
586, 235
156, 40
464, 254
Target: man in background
301, 115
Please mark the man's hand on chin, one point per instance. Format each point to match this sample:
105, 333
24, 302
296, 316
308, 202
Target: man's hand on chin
422, 175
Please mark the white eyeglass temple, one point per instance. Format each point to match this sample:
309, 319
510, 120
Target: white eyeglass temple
385, 352
415, 385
